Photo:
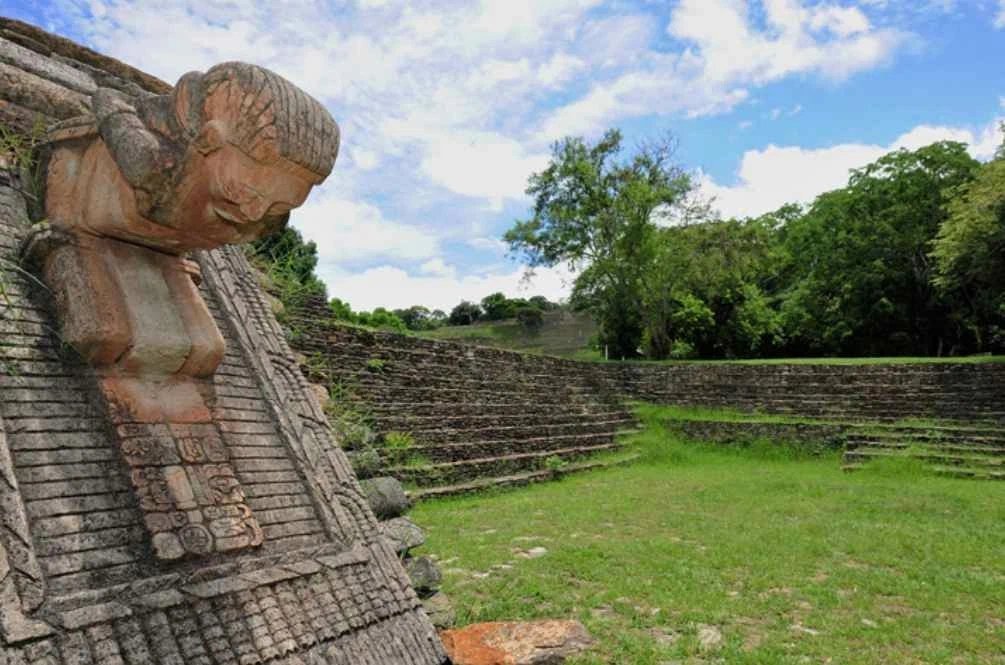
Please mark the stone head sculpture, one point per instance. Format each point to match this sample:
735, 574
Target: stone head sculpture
222, 159
129, 191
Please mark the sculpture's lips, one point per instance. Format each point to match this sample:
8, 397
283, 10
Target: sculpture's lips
237, 220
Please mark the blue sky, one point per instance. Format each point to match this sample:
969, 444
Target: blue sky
447, 106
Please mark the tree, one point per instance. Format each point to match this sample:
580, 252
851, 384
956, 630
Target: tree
497, 306
707, 290
599, 214
465, 313
542, 303
381, 318
416, 317
859, 267
341, 310
531, 318
969, 253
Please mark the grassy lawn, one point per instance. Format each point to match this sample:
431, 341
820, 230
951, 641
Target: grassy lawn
786, 557
659, 414
892, 360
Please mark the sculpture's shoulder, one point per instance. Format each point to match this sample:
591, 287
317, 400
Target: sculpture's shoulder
80, 127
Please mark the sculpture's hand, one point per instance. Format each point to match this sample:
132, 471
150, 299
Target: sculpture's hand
136, 150
106, 102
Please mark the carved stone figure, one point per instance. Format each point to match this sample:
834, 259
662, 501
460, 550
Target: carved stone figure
220, 160
164, 499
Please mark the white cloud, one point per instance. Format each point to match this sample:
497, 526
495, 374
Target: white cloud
488, 244
774, 176
363, 159
438, 268
478, 164
829, 40
1000, 18
447, 107
394, 288
725, 54
354, 231
559, 69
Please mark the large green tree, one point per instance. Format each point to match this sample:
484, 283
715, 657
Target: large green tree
707, 292
598, 211
860, 267
969, 253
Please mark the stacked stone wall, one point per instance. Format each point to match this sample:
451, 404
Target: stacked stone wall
474, 412
956, 391
480, 412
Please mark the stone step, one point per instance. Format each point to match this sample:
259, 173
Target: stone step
888, 416
951, 471
903, 407
532, 431
415, 393
449, 419
934, 456
518, 479
465, 409
905, 444
479, 449
463, 470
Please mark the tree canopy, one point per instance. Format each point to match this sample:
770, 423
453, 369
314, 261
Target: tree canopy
597, 211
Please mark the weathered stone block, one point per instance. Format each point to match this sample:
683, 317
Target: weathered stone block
424, 574
403, 534
386, 497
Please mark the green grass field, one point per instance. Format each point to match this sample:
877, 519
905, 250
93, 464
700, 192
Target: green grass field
893, 360
785, 557
564, 333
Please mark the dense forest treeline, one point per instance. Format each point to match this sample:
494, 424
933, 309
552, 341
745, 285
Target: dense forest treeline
289, 263
906, 259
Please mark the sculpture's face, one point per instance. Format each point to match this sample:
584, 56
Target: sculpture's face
230, 197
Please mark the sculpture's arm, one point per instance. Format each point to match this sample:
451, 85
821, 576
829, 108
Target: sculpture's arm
139, 153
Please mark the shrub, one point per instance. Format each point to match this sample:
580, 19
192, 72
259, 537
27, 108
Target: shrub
531, 318
681, 350
366, 463
464, 314
398, 446
555, 464
376, 365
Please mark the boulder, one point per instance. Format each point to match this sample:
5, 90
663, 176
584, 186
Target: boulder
403, 533
516, 643
320, 393
386, 497
424, 573
440, 610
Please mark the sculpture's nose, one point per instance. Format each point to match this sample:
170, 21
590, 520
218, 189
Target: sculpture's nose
255, 208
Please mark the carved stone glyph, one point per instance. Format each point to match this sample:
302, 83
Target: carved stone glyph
129, 191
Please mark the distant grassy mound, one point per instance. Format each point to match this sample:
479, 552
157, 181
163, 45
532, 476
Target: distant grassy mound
564, 333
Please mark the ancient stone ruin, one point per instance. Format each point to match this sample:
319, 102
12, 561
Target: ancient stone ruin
170, 489
483, 417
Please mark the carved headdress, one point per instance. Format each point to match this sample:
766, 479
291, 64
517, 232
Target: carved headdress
269, 117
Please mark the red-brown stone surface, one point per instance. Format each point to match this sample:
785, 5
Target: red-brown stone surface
516, 643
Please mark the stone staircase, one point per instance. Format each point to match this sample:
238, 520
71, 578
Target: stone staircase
962, 448
482, 417
479, 417
955, 449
